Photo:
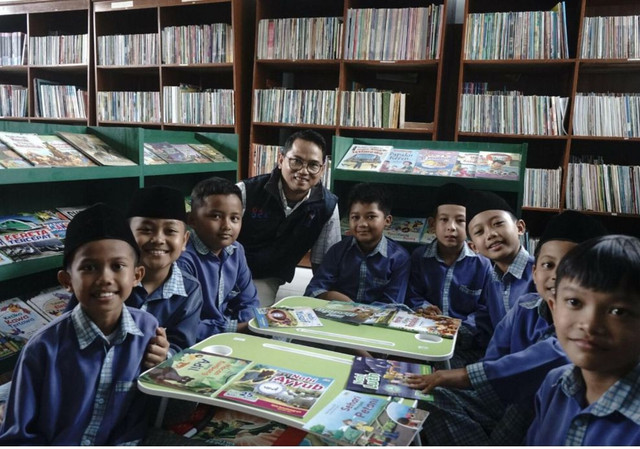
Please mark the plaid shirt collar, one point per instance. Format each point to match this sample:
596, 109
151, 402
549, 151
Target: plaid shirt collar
381, 247
622, 397
174, 285
518, 266
431, 251
203, 249
87, 331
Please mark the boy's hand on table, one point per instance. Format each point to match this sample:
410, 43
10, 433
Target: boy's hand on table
428, 311
157, 349
454, 378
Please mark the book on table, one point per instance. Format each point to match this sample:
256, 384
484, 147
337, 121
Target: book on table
285, 317
95, 149
438, 325
354, 312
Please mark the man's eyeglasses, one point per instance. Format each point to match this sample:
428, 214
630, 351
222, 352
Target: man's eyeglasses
296, 164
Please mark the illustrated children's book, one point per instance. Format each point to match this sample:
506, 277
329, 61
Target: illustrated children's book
191, 154
465, 165
168, 152
68, 154
95, 149
31, 148
440, 325
364, 157
498, 165
277, 389
405, 229
435, 162
286, 317
354, 312
151, 158
70, 211
400, 161
30, 244
210, 152
359, 419
385, 377
195, 371
11, 159
18, 320
50, 303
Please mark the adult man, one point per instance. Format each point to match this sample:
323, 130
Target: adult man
288, 212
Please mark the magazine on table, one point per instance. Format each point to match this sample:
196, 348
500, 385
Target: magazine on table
286, 317
354, 312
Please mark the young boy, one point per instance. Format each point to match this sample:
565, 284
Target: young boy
157, 219
495, 233
497, 408
215, 258
596, 312
99, 346
366, 266
448, 277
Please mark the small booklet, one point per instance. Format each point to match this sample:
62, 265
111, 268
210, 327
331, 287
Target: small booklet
195, 371
440, 325
19, 321
286, 317
51, 302
354, 312
364, 157
386, 377
359, 419
95, 149
277, 389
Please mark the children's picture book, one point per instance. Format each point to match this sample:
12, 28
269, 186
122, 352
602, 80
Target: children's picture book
354, 312
440, 325
435, 162
359, 419
386, 377
19, 222
465, 165
195, 371
277, 389
95, 149
19, 321
364, 157
68, 154
4, 259
193, 156
399, 161
11, 159
494, 165
50, 303
223, 427
169, 153
210, 152
8, 346
54, 221
30, 244
31, 148
151, 158
286, 317
405, 229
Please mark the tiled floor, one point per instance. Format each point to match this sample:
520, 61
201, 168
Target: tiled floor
297, 285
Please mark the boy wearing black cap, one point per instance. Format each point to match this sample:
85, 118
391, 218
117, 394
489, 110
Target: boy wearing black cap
157, 219
495, 233
99, 345
489, 402
448, 278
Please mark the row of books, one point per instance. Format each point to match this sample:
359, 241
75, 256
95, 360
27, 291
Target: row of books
517, 35
13, 100
542, 187
393, 34
13, 47
122, 106
300, 38
613, 37
432, 162
54, 100
401, 229
54, 50
197, 44
316, 107
65, 149
128, 49
186, 153
190, 105
603, 188
611, 115
372, 109
513, 113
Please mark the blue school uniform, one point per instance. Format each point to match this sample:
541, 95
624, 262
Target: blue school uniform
458, 290
102, 405
228, 292
382, 275
564, 418
176, 304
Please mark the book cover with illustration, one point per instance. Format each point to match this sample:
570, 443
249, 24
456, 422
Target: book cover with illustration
95, 149
31, 148
399, 161
68, 155
151, 158
11, 159
54, 221
70, 211
168, 152
354, 312
440, 325
30, 244
195, 371
193, 156
435, 162
465, 165
364, 157
210, 152
277, 389
406, 229
19, 321
386, 377
50, 303
358, 419
494, 165
286, 317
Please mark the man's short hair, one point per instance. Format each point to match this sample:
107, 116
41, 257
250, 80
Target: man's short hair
310, 136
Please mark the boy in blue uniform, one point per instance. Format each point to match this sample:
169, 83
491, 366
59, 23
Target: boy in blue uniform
490, 402
449, 278
99, 345
366, 266
157, 219
495, 233
215, 258
596, 312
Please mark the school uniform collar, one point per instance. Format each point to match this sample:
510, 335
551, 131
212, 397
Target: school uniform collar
203, 249
283, 199
534, 301
87, 331
621, 397
382, 247
431, 251
518, 266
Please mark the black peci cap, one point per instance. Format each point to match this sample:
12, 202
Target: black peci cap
572, 226
480, 201
158, 202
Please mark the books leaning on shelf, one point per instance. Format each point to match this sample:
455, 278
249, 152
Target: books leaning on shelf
11, 159
55, 100
50, 302
95, 149
607, 114
372, 109
286, 317
264, 158
313, 107
315, 38
28, 236
364, 157
18, 321
495, 165
621, 41
359, 419
13, 46
13, 100
175, 153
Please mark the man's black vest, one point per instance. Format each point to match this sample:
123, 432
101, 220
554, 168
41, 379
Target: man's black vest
274, 243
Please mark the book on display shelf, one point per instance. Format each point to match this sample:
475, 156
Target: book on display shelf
32, 148
19, 321
364, 157
95, 149
66, 152
435, 162
210, 152
11, 159
50, 302
495, 165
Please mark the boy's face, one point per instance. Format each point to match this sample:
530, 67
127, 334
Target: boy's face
449, 225
544, 270
494, 234
161, 241
101, 276
301, 180
218, 221
597, 330
367, 223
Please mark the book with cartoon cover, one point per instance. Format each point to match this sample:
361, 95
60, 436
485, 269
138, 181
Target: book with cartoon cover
399, 161
435, 162
50, 302
465, 165
95, 149
11, 159
495, 165
31, 148
406, 229
68, 154
277, 389
195, 371
440, 325
364, 157
18, 320
210, 152
286, 317
354, 312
